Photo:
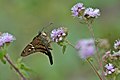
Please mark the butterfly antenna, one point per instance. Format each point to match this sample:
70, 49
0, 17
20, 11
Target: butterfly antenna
47, 26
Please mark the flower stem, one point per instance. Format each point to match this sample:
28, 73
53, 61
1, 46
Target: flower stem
15, 68
114, 78
70, 44
93, 36
87, 61
95, 70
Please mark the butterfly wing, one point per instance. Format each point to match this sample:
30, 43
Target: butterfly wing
38, 45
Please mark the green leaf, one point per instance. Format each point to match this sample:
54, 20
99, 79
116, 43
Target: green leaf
3, 51
63, 49
25, 74
19, 60
90, 59
61, 43
1, 54
3, 61
21, 65
24, 67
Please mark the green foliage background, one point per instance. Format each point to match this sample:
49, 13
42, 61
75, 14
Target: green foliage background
24, 18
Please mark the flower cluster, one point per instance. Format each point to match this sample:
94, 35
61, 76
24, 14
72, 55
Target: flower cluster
80, 11
91, 13
117, 44
58, 35
77, 9
112, 57
6, 38
106, 56
86, 48
109, 69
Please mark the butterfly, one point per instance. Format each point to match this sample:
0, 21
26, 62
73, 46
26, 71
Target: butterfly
40, 43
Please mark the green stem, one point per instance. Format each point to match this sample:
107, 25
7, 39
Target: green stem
88, 62
95, 70
70, 44
14, 67
114, 78
93, 36
98, 59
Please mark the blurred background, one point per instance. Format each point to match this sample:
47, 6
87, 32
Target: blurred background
24, 18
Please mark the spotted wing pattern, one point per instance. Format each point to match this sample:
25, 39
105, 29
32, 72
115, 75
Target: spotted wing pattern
40, 43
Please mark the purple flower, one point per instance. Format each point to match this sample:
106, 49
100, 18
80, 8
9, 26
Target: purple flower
77, 9
59, 34
7, 37
91, 13
109, 68
117, 44
86, 48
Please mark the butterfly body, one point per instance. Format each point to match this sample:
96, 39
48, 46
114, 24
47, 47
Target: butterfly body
40, 43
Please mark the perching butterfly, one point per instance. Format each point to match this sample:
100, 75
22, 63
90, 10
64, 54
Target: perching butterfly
40, 43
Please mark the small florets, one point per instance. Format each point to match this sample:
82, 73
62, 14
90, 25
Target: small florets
109, 69
6, 38
81, 12
91, 13
77, 9
59, 34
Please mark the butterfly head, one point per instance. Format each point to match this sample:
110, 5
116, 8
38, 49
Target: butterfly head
43, 34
